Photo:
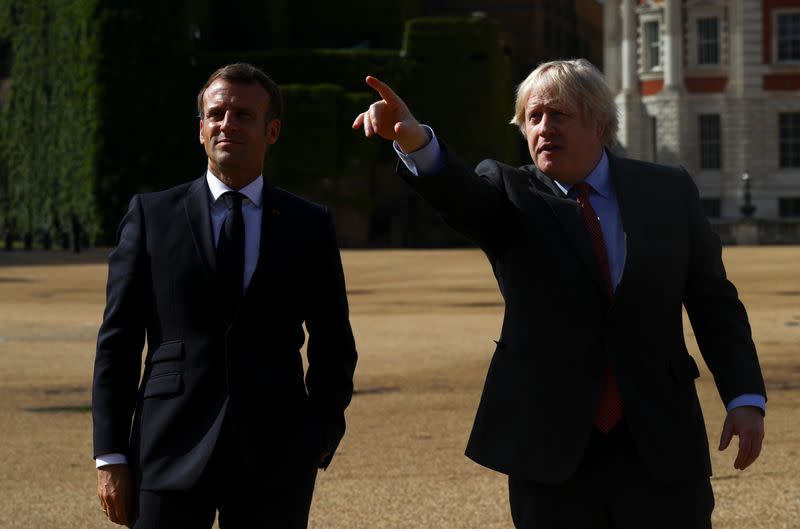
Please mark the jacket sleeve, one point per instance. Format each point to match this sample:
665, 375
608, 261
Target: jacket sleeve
718, 317
331, 348
121, 337
473, 202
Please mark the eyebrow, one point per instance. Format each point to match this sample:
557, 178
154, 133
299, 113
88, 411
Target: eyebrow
553, 106
221, 104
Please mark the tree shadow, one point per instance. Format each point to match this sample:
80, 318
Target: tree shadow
53, 257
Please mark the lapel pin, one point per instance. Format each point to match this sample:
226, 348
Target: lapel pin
276, 212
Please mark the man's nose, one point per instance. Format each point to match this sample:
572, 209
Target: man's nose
546, 125
228, 121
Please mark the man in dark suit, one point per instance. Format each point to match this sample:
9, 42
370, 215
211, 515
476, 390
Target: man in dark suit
220, 275
589, 404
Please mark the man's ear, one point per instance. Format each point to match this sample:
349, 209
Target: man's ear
273, 131
202, 140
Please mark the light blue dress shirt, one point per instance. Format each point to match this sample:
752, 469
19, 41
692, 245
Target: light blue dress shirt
428, 161
603, 199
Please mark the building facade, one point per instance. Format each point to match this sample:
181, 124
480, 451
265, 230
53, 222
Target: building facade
713, 86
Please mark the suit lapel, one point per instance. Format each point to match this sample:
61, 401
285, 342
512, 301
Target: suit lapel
570, 216
270, 245
542, 183
198, 212
631, 201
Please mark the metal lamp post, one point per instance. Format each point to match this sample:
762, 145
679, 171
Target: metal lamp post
747, 208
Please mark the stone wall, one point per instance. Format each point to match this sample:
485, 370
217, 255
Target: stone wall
758, 231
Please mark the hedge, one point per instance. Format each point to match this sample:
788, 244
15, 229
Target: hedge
346, 68
459, 82
101, 106
49, 134
147, 124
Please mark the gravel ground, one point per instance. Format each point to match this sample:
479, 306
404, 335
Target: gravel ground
424, 323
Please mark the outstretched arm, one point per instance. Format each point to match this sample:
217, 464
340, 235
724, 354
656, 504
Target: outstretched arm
472, 202
391, 119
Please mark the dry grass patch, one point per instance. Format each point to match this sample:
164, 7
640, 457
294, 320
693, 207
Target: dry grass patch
424, 323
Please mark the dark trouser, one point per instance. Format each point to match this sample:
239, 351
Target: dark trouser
267, 502
611, 489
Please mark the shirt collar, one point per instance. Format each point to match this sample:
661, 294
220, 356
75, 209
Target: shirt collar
252, 191
599, 179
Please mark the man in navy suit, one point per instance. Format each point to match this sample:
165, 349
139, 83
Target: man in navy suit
589, 404
220, 274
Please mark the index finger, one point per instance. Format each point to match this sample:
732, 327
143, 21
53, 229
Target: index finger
743, 456
383, 89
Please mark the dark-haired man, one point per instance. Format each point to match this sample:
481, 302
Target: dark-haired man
220, 274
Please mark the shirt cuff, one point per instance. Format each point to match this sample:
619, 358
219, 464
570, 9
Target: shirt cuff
110, 459
748, 399
425, 160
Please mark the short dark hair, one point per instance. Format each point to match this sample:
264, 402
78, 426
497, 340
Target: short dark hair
242, 72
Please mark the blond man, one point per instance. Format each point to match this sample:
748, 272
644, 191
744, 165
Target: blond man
589, 404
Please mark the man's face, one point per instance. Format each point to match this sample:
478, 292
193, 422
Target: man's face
562, 145
233, 128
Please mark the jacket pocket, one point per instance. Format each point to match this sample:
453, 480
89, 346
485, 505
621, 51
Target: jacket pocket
684, 369
164, 385
172, 350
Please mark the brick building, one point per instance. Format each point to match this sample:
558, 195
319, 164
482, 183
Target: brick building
714, 86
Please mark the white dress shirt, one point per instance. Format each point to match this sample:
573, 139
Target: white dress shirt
251, 211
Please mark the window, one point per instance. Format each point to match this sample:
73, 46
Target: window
788, 35
708, 34
789, 207
710, 141
707, 41
652, 44
711, 207
789, 139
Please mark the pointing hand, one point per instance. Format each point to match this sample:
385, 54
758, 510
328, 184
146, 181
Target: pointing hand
391, 119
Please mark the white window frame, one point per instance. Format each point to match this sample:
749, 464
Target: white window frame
775, 14
697, 11
650, 46
645, 65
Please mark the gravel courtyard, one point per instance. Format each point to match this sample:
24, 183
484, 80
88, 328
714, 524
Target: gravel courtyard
424, 323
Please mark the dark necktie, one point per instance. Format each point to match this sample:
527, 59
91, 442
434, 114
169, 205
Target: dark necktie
230, 249
609, 411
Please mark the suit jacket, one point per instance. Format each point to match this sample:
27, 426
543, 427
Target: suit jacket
201, 365
560, 331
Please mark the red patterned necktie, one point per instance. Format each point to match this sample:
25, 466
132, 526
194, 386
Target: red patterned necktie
609, 411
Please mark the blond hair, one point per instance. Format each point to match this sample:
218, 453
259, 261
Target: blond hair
580, 86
